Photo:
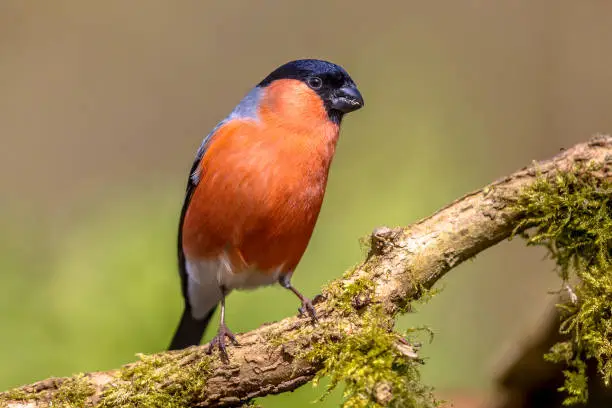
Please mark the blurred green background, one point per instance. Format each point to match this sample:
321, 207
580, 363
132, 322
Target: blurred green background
103, 105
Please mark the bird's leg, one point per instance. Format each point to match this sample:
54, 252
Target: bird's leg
223, 332
307, 306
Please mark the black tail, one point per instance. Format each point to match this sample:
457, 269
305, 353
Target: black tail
190, 330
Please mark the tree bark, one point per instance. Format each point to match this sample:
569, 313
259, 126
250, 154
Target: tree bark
401, 262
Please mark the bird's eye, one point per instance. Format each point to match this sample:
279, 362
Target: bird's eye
315, 82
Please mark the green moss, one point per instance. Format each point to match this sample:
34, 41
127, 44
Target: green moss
162, 380
421, 296
571, 216
365, 244
362, 351
71, 392
375, 371
348, 296
16, 394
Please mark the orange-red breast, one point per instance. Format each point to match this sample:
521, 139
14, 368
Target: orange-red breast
256, 188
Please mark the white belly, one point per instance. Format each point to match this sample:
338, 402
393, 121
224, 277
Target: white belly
206, 276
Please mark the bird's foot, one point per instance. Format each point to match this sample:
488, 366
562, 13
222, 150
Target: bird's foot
307, 307
219, 341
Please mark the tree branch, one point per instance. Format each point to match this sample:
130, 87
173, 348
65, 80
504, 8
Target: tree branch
402, 262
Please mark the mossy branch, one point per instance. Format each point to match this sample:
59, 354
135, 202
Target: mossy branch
354, 341
571, 216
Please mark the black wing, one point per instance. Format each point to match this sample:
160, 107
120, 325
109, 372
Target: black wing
192, 183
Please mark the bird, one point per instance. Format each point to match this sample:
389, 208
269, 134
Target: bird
255, 191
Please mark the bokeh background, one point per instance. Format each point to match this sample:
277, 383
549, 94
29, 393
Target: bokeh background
103, 105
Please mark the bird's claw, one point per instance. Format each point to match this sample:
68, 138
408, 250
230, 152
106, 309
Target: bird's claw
307, 307
219, 341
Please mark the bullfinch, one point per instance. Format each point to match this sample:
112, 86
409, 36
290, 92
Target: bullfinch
255, 190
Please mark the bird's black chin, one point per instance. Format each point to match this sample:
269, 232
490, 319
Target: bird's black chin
335, 116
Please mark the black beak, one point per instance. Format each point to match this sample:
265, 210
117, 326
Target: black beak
347, 99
